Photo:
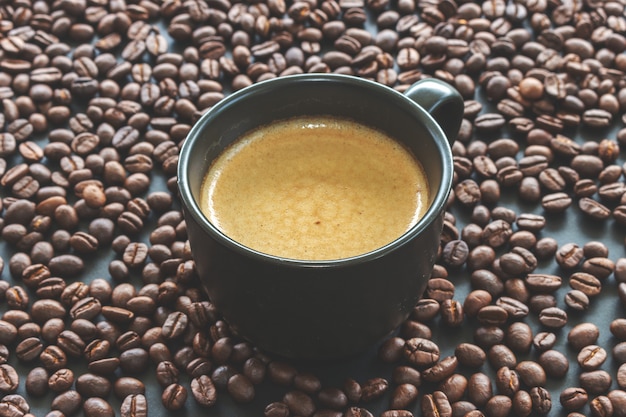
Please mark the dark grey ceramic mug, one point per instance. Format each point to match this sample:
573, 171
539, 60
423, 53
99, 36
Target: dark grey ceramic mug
321, 309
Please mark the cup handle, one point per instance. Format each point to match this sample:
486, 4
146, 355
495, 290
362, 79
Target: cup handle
442, 101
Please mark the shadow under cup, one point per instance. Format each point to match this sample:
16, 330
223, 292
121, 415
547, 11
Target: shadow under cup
315, 309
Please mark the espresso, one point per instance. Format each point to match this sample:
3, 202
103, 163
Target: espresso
315, 188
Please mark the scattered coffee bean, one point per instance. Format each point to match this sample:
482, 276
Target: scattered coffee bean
470, 355
591, 357
595, 382
174, 397
582, 335
479, 389
96, 104
299, 403
573, 398
507, 381
618, 328
436, 404
9, 379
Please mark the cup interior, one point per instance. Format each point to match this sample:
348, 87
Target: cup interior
342, 96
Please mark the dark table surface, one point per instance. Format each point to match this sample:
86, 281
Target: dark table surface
572, 226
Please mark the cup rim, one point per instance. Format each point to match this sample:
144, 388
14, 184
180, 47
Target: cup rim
439, 200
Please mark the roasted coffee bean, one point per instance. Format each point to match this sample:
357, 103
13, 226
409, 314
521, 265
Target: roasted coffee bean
600, 267
299, 403
620, 270
594, 209
531, 373
479, 389
554, 363
619, 352
515, 309
541, 400
582, 335
70, 342
67, 402
134, 361
29, 349
497, 233
462, 408
522, 403
333, 398
487, 336
125, 386
507, 381
9, 379
489, 122
53, 358
61, 380
90, 385
401, 375
481, 256
573, 398
553, 317
221, 375
597, 118
280, 409
174, 325
14, 405
403, 396
618, 400
436, 404
601, 406
591, 357
569, 255
357, 412
454, 387
484, 279
66, 265
492, 315
441, 370
595, 382
577, 300
373, 388
37, 382
499, 405
543, 283
500, 355
391, 349
174, 397
397, 413
470, 355
455, 253
96, 407
426, 309
545, 248
439, 289
618, 328
519, 337
353, 390
421, 352
203, 391
167, 373
255, 369
620, 377
475, 300
452, 312
556, 202
621, 292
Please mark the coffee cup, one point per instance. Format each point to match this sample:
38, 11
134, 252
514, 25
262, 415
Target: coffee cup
329, 307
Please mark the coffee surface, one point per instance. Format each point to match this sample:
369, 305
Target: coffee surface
315, 188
